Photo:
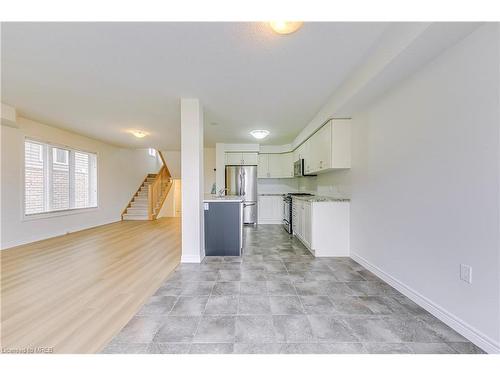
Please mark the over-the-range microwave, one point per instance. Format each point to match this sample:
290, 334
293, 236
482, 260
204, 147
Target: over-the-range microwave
298, 169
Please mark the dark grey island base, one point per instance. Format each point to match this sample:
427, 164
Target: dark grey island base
223, 226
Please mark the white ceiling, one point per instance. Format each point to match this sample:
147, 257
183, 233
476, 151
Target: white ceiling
102, 79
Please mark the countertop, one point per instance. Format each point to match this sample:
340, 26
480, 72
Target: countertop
224, 198
320, 198
272, 194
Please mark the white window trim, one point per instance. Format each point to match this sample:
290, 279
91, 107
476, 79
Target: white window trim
55, 213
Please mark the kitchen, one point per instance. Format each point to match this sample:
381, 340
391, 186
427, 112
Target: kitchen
271, 187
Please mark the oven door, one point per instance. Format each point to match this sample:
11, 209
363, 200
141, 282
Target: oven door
287, 222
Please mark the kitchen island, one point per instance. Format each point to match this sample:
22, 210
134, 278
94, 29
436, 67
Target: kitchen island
223, 225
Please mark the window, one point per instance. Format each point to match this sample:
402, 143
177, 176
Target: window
152, 152
58, 178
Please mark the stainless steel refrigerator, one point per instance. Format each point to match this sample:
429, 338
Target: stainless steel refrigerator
242, 180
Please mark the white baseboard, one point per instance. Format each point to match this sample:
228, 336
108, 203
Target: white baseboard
191, 259
484, 342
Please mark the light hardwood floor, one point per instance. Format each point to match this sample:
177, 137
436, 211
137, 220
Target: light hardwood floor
75, 292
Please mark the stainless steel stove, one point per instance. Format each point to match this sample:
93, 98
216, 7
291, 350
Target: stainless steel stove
287, 210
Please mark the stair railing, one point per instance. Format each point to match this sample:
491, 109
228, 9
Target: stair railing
158, 189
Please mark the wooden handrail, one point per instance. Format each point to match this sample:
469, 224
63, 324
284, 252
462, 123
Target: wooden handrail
157, 192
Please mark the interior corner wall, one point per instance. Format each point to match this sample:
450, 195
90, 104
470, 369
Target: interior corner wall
425, 179
209, 169
120, 172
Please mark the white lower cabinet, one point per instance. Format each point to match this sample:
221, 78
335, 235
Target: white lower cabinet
323, 227
270, 209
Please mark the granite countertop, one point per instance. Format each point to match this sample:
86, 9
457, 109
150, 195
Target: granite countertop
272, 194
320, 198
224, 198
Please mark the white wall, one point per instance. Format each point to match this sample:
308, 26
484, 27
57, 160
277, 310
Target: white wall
425, 184
209, 166
173, 160
192, 168
120, 172
277, 185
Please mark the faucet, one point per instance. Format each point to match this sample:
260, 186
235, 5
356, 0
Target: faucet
222, 191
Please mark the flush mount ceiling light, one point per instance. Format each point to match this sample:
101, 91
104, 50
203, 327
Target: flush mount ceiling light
259, 134
285, 27
138, 133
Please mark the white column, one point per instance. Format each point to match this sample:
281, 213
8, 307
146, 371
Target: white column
193, 249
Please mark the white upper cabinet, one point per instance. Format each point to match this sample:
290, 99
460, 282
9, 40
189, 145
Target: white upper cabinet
275, 165
250, 158
241, 158
328, 148
263, 166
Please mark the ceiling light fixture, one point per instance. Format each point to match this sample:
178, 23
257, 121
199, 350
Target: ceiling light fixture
285, 27
139, 133
259, 134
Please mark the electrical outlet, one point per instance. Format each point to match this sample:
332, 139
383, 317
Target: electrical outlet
466, 273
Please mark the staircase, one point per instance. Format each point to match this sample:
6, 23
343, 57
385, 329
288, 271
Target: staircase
148, 199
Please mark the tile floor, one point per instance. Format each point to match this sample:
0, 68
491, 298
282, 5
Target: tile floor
277, 298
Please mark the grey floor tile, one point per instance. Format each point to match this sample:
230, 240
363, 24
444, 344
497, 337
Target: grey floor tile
280, 288
430, 348
158, 305
372, 329
317, 304
171, 288
260, 348
222, 305
167, 348
348, 276
338, 289
140, 329
408, 306
444, 332
203, 288
229, 275
211, 349
180, 329
286, 305
367, 275
253, 287
321, 348
311, 288
319, 276
350, 306
215, 329
189, 306
466, 348
254, 329
284, 300
224, 288
254, 305
292, 328
410, 329
387, 348
126, 349
367, 288
328, 328
253, 275
382, 305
